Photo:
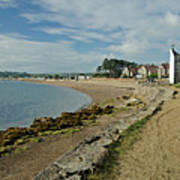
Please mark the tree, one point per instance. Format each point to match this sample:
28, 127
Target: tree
99, 69
114, 66
56, 76
105, 65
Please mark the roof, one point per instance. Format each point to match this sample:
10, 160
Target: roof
132, 69
150, 68
165, 65
177, 55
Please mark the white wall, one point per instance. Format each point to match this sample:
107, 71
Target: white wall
172, 67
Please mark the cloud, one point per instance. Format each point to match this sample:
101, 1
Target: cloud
132, 29
121, 20
78, 34
18, 54
95, 14
172, 19
7, 3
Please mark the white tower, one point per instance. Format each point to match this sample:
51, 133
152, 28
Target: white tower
172, 66
174, 71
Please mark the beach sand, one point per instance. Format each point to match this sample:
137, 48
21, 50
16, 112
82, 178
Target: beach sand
38, 156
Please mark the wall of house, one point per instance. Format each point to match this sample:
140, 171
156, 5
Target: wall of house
177, 69
172, 67
174, 71
143, 72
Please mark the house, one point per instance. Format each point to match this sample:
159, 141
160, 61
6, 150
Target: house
129, 71
174, 70
163, 70
147, 70
143, 71
82, 77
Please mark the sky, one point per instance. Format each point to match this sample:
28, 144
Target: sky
55, 36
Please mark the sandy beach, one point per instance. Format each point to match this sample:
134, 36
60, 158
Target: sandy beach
98, 89
38, 156
155, 155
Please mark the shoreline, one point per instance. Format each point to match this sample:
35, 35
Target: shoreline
89, 101
91, 88
47, 151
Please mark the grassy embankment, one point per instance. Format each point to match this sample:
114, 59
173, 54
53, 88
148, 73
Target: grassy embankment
109, 168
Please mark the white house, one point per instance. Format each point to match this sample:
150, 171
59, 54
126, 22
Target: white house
147, 70
174, 71
163, 70
129, 71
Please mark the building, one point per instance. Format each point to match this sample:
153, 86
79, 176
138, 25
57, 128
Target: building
163, 71
129, 72
174, 70
147, 70
143, 71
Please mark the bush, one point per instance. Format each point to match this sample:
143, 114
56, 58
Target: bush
101, 75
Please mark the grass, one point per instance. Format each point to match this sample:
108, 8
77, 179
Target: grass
110, 166
177, 85
20, 149
57, 132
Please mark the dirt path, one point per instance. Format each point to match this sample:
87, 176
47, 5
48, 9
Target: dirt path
156, 156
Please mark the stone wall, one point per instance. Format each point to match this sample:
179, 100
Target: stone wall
84, 158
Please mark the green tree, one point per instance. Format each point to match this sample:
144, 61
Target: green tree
99, 69
105, 65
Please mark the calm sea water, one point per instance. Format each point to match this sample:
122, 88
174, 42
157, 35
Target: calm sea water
21, 102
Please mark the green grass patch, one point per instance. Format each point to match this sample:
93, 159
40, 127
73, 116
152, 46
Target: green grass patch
35, 139
177, 85
110, 166
57, 132
20, 149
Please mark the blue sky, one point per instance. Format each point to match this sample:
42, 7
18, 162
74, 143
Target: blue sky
75, 36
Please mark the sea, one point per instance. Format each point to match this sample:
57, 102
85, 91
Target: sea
21, 102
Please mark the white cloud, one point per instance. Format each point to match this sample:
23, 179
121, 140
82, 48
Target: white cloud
130, 47
78, 34
153, 20
134, 29
172, 19
7, 3
17, 54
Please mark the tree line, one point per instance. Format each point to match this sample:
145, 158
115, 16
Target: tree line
113, 67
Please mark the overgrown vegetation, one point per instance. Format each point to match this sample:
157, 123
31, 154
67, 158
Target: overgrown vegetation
153, 76
110, 166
